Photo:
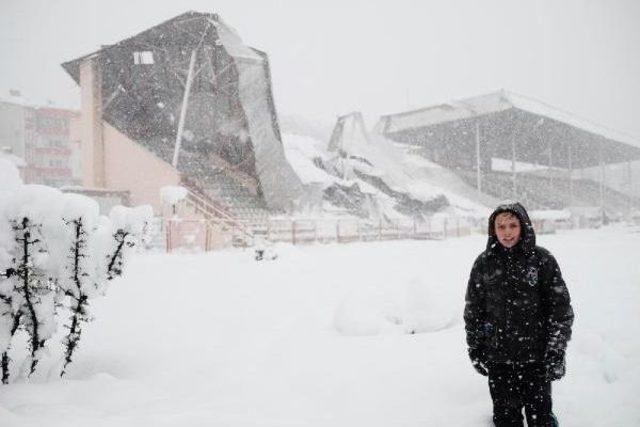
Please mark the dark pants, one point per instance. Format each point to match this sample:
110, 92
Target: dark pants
517, 386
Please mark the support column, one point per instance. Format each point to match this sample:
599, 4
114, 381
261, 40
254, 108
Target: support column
478, 161
602, 178
630, 186
550, 163
92, 143
569, 156
183, 109
513, 168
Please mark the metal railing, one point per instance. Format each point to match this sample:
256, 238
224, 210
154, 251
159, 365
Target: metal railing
204, 235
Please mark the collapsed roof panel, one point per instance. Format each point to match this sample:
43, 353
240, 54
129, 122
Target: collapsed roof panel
230, 121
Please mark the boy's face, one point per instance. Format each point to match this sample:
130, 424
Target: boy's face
507, 228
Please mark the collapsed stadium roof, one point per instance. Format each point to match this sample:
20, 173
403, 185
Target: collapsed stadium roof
230, 124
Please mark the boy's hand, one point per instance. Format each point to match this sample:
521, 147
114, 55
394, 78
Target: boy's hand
479, 361
554, 364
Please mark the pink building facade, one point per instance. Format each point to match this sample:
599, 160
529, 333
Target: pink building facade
112, 161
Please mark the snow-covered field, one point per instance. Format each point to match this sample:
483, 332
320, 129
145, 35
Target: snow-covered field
321, 337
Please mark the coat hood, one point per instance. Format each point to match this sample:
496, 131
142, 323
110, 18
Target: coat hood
527, 236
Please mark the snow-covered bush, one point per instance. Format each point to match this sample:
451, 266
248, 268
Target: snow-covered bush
172, 195
263, 250
56, 254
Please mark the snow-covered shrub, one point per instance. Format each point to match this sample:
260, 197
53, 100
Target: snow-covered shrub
172, 195
56, 254
263, 250
29, 294
95, 254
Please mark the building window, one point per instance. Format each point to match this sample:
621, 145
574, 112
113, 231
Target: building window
57, 163
144, 57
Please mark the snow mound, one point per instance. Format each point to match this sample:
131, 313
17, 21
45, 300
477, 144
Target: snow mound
9, 177
416, 307
607, 363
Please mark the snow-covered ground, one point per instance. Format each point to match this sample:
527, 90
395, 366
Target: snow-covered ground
320, 337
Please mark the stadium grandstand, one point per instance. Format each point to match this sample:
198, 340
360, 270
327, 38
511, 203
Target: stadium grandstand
511, 146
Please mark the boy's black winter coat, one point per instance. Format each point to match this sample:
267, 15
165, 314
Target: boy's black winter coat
517, 304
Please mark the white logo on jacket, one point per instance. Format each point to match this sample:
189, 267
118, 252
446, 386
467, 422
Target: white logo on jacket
532, 276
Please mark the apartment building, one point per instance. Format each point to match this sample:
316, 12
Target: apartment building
46, 138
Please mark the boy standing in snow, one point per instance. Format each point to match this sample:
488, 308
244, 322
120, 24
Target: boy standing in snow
518, 319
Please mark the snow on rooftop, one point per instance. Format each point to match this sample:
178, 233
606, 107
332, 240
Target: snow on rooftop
15, 98
299, 151
400, 171
19, 99
232, 41
432, 177
496, 102
447, 112
538, 107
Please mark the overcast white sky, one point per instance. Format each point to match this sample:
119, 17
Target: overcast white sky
331, 57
